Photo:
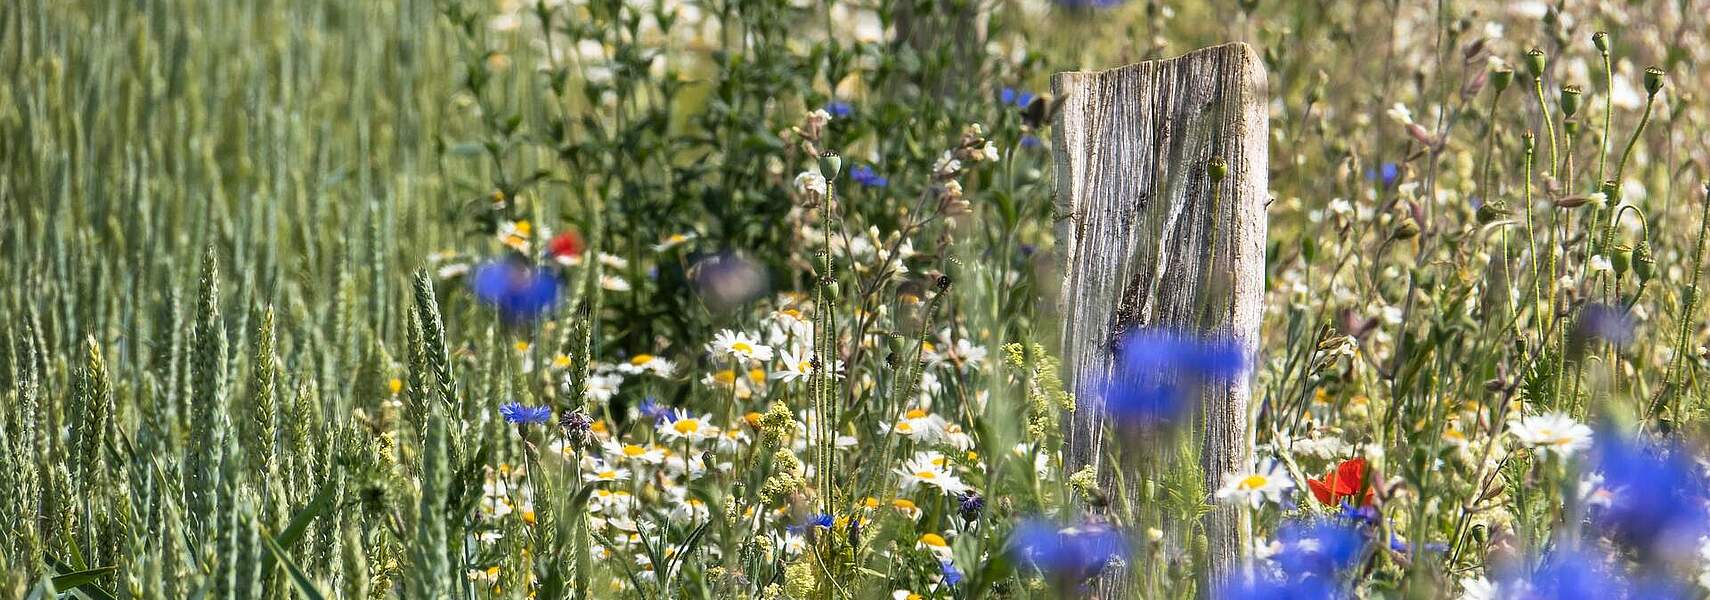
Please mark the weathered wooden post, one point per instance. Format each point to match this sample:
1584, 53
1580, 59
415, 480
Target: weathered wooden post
1137, 227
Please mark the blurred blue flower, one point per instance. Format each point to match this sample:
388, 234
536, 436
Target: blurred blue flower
1658, 494
839, 108
1385, 172
864, 175
1015, 97
1161, 351
1569, 574
1031, 141
1159, 372
518, 414
1319, 547
1606, 322
1271, 587
1072, 554
727, 280
519, 291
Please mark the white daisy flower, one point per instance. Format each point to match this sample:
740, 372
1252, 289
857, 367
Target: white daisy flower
605, 472
652, 456
1266, 483
674, 240
917, 472
602, 386
681, 425
740, 345
1552, 432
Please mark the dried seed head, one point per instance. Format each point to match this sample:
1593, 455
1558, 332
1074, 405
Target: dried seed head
1644, 262
1621, 259
1601, 40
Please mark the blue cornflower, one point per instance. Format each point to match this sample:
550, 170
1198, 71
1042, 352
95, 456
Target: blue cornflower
969, 505
1015, 97
839, 108
865, 175
519, 291
1031, 141
518, 414
1072, 554
951, 575
652, 409
820, 520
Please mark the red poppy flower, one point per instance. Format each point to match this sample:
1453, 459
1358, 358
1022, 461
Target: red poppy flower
565, 245
1345, 480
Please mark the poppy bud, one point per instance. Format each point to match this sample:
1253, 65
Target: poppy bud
1644, 263
1535, 62
830, 164
1570, 99
1653, 80
1601, 40
1501, 77
1217, 169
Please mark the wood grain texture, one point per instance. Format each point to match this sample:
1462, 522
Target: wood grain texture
1134, 233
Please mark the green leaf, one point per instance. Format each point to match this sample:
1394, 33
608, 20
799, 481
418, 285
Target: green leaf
305, 586
300, 523
84, 581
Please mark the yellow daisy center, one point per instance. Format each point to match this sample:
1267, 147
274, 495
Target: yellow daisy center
1253, 482
633, 450
641, 359
742, 347
934, 540
687, 426
915, 414
929, 475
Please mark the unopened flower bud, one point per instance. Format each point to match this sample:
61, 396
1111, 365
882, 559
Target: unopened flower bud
1217, 169
1601, 40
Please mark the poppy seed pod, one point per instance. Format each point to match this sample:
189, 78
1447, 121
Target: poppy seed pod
1501, 77
1601, 41
1217, 169
1621, 259
830, 164
1571, 95
1653, 80
1535, 62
